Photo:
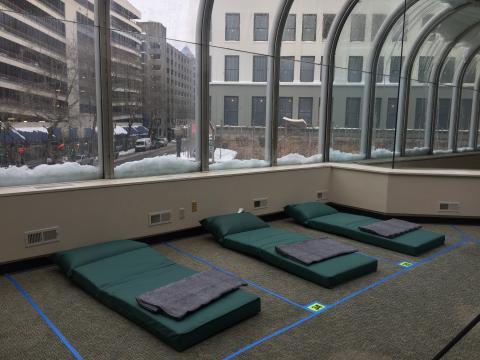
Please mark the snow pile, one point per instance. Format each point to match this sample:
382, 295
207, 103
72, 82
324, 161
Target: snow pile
118, 130
222, 155
32, 129
128, 152
464, 149
43, 174
296, 159
160, 165
417, 151
225, 159
381, 153
340, 156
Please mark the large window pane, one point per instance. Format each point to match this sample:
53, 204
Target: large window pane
260, 63
352, 113
287, 67
154, 88
307, 68
327, 24
230, 110
259, 110
260, 31
355, 66
290, 28
357, 29
309, 28
232, 67
48, 112
305, 109
377, 21
232, 27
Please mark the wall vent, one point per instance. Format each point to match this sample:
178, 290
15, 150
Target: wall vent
41, 237
322, 195
260, 203
448, 206
159, 218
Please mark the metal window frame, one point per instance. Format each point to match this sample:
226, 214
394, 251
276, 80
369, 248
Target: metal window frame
368, 111
474, 122
406, 73
273, 81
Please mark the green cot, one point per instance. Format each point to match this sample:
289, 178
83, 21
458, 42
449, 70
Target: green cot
248, 234
325, 218
117, 272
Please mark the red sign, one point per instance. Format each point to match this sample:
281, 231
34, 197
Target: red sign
21, 151
61, 147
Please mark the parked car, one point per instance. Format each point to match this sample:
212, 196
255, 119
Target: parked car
162, 142
84, 160
143, 144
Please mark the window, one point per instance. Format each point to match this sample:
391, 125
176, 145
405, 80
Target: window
327, 24
260, 31
230, 113
424, 66
378, 112
355, 67
259, 110
352, 112
231, 67
289, 33
465, 114
307, 68
287, 66
471, 74
309, 27
380, 69
398, 33
357, 28
392, 113
285, 108
395, 67
305, 106
377, 21
425, 20
420, 113
232, 27
260, 68
443, 115
448, 71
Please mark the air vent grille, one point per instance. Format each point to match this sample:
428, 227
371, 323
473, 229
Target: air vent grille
449, 206
41, 237
163, 217
260, 203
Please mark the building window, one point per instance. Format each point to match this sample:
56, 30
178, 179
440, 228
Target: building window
352, 113
357, 28
289, 33
260, 68
392, 113
378, 112
443, 115
380, 70
260, 31
465, 114
398, 34
287, 67
309, 27
377, 21
259, 110
471, 74
420, 113
327, 24
307, 68
231, 67
305, 108
232, 27
230, 110
285, 109
355, 67
425, 20
448, 71
395, 67
424, 66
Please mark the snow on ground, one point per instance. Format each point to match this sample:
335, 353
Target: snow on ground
160, 165
128, 152
43, 174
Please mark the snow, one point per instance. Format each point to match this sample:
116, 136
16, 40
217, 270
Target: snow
42, 174
118, 130
295, 159
160, 165
32, 129
128, 152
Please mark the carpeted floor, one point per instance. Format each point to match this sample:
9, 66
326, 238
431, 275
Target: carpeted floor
408, 314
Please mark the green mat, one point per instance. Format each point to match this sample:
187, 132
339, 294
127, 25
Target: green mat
326, 218
117, 272
261, 243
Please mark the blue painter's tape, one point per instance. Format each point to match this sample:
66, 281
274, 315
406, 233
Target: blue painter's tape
213, 266
57, 332
349, 297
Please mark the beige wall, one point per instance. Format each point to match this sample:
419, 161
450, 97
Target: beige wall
99, 211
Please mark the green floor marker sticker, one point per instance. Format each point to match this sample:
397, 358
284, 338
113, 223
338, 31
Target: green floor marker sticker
316, 307
405, 264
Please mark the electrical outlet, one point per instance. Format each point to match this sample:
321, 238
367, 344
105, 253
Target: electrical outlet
181, 213
194, 206
260, 203
322, 195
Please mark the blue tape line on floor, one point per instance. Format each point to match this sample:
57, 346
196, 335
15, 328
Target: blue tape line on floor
213, 266
349, 297
45, 318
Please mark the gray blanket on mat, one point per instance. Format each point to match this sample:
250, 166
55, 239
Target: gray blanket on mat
189, 294
390, 228
313, 251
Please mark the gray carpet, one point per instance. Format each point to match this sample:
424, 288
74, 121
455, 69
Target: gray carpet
409, 317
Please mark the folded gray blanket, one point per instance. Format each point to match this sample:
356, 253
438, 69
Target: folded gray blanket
390, 228
189, 294
313, 251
